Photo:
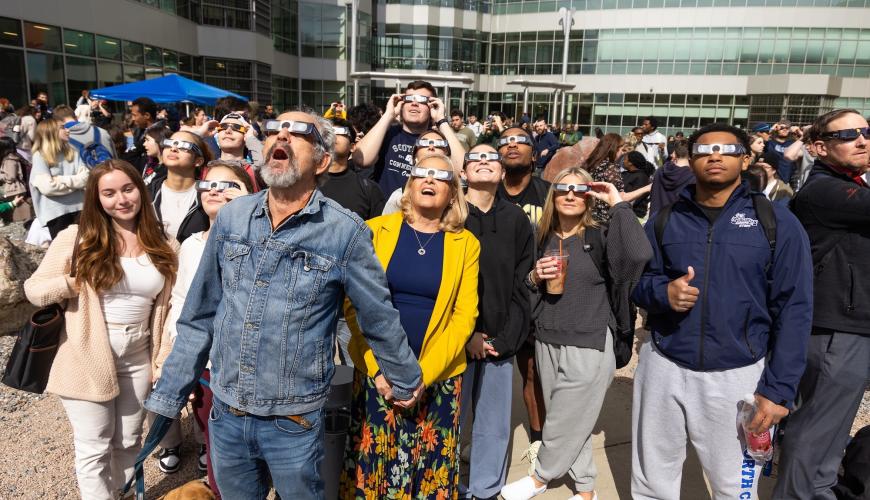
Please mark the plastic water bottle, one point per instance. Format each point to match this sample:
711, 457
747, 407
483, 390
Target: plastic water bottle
758, 445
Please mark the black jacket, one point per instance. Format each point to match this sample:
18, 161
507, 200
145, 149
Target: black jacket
196, 219
506, 256
835, 211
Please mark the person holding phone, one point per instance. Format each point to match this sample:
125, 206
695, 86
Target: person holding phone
387, 148
507, 252
574, 323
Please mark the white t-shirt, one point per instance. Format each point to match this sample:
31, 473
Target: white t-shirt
477, 128
174, 206
130, 301
188, 262
650, 148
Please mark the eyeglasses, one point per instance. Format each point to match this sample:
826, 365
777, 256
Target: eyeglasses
219, 186
441, 175
722, 149
518, 139
576, 188
342, 131
482, 156
294, 127
182, 146
232, 126
848, 134
422, 99
425, 143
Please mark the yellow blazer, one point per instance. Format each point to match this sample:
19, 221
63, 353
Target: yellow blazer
453, 318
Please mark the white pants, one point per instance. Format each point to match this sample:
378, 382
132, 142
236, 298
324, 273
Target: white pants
107, 436
672, 404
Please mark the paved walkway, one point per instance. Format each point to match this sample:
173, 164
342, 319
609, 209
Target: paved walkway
612, 448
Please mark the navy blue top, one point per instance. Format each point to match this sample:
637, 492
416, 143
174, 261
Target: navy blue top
414, 281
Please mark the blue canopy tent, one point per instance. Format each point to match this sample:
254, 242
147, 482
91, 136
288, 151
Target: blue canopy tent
170, 88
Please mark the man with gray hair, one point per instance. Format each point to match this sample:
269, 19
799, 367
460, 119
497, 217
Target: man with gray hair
263, 307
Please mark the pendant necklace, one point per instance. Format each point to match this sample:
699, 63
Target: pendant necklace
422, 250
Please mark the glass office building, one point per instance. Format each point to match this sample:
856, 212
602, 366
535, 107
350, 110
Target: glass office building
687, 62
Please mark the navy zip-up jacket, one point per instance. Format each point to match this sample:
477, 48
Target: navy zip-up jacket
739, 317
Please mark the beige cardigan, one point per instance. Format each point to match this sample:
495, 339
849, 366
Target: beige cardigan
84, 367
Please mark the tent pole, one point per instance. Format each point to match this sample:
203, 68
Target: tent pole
187, 108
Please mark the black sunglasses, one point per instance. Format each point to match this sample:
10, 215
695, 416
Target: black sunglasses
848, 134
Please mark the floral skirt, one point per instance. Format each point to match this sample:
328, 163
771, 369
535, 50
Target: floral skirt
394, 454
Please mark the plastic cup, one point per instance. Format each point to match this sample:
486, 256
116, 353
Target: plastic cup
556, 286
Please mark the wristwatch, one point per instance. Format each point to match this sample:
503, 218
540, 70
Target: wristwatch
440, 122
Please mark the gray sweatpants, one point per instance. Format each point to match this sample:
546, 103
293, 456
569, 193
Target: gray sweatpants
574, 381
672, 403
838, 371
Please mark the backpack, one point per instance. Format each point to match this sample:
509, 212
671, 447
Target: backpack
763, 210
10, 126
618, 295
92, 153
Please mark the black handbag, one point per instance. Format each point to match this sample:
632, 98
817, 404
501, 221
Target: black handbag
30, 361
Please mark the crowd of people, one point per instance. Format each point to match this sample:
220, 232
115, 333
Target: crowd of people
226, 261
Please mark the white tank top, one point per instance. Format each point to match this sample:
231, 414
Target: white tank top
130, 301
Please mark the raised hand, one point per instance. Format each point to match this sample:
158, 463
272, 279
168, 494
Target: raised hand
681, 295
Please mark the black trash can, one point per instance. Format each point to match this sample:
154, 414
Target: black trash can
336, 420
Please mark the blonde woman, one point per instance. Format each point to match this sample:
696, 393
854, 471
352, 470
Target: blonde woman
431, 266
57, 177
574, 322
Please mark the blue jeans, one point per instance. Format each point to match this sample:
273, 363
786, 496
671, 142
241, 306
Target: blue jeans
247, 452
486, 406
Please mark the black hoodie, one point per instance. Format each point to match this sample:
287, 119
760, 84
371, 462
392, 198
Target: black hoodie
668, 182
506, 257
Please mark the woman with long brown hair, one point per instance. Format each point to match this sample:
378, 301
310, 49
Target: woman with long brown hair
601, 165
114, 340
57, 177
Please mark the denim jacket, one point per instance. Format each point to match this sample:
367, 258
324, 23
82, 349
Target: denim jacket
263, 307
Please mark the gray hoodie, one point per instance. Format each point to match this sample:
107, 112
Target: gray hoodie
84, 133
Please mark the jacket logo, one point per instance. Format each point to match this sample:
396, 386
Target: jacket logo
741, 220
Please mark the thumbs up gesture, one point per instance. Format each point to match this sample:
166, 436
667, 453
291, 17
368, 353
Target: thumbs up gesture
681, 294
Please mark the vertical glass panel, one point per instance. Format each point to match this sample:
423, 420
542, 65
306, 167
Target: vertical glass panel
81, 75
45, 72
170, 60
108, 48
78, 42
42, 36
797, 51
153, 56
133, 52
781, 50
10, 32
133, 73
110, 74
14, 81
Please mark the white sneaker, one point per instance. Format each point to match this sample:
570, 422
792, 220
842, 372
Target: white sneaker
531, 455
524, 489
578, 497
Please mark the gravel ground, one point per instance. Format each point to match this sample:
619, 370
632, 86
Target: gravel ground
41, 463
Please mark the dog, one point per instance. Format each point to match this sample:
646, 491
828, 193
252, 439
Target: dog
193, 490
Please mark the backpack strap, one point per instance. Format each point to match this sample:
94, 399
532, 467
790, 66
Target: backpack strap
659, 223
767, 219
594, 246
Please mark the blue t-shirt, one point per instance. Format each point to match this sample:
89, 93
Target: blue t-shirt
784, 168
395, 159
414, 281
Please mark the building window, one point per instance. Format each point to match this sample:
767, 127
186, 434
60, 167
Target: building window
45, 72
133, 52
81, 75
319, 94
284, 92
10, 31
42, 36
108, 48
323, 32
285, 22
153, 56
78, 43
13, 83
